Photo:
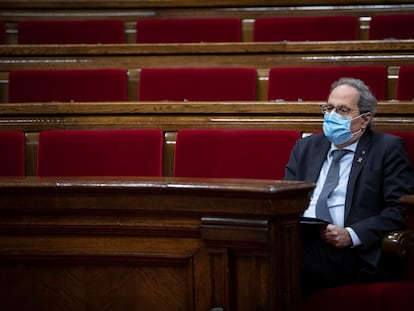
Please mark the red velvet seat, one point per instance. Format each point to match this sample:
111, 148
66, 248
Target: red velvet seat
71, 85
221, 153
12, 153
197, 84
313, 83
387, 296
405, 83
188, 30
2, 32
408, 138
307, 28
71, 31
399, 26
100, 153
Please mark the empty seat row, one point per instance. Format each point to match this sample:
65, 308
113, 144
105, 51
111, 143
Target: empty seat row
198, 153
186, 30
204, 153
198, 84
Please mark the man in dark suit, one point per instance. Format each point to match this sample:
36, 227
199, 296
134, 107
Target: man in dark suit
374, 173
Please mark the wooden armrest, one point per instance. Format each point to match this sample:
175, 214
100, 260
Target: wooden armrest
398, 242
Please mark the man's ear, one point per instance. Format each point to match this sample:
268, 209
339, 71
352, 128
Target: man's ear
367, 117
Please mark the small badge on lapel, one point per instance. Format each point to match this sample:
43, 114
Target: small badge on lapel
359, 160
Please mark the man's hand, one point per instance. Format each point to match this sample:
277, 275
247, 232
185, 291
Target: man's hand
338, 237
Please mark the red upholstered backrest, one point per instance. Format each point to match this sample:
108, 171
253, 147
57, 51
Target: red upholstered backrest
71, 31
308, 28
399, 26
12, 153
405, 83
100, 153
2, 32
221, 153
361, 297
188, 30
49, 85
313, 83
408, 138
197, 84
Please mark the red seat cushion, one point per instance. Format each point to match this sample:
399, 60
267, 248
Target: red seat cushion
259, 154
398, 26
197, 84
12, 153
100, 153
314, 83
71, 31
386, 296
71, 85
188, 30
2, 32
309, 28
408, 138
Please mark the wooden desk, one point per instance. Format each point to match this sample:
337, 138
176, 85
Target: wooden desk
149, 244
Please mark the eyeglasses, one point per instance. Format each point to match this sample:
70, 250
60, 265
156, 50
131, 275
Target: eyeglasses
342, 110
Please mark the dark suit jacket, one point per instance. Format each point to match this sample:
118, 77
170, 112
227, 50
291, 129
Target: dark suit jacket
380, 174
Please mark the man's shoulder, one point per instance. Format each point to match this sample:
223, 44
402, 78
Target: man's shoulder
314, 138
385, 138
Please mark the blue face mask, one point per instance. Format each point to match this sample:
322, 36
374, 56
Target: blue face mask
337, 128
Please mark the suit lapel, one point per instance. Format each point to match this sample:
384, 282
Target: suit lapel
318, 157
359, 160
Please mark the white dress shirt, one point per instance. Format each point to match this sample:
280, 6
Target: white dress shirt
336, 201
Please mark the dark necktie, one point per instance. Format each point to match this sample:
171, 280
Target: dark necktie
331, 182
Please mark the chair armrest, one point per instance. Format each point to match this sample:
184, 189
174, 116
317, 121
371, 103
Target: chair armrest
398, 242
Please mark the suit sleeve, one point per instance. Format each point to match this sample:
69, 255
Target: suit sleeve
395, 180
291, 167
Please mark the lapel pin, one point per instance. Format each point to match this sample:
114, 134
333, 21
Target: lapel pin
359, 160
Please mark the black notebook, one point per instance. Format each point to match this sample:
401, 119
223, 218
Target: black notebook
310, 227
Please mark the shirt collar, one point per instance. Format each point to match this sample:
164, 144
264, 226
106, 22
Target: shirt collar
352, 147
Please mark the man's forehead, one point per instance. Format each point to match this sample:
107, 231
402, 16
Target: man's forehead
344, 94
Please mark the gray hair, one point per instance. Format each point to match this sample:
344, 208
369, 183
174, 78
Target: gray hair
367, 101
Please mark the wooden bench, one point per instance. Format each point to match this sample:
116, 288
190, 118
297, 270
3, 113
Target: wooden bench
261, 56
130, 11
173, 116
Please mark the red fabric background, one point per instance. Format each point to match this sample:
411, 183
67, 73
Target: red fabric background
60, 85
12, 153
314, 83
188, 30
198, 84
260, 154
100, 153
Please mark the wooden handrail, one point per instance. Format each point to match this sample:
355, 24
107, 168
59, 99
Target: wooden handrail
300, 47
260, 108
182, 3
